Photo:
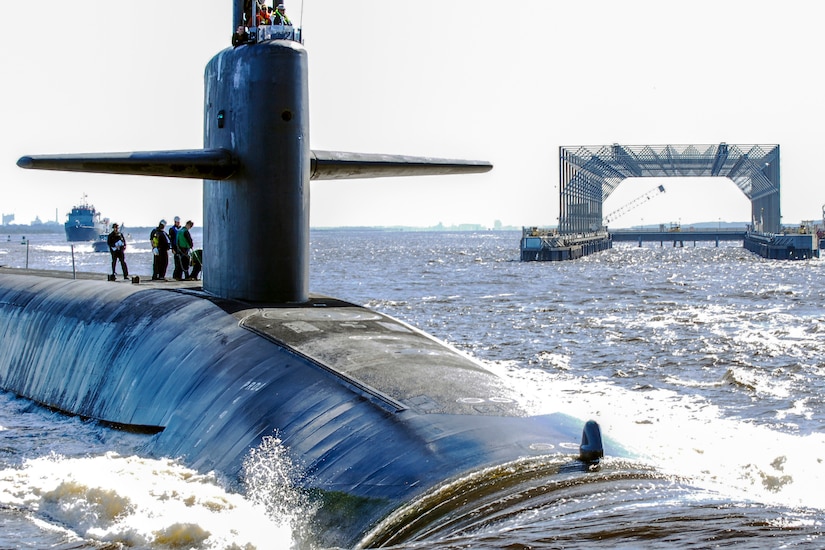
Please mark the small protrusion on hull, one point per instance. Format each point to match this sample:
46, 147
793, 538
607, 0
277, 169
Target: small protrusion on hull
591, 449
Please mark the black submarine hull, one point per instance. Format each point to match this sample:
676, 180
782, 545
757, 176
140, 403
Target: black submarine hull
373, 412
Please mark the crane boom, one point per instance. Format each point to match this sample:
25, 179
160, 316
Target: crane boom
624, 209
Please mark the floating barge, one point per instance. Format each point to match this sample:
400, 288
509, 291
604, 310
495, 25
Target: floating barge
548, 245
782, 246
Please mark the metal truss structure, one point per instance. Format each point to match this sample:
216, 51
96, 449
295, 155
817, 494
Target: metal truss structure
589, 174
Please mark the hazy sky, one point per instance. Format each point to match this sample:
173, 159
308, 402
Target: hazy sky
504, 82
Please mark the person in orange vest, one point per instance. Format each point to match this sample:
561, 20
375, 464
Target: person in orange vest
264, 16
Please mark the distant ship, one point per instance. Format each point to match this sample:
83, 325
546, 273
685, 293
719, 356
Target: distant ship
101, 244
84, 223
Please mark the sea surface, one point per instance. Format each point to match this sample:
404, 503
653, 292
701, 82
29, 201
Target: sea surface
706, 363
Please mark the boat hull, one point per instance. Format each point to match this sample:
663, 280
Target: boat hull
100, 245
81, 233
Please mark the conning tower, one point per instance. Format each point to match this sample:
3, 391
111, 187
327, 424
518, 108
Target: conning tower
256, 165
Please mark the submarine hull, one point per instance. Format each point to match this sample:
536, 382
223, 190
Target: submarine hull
372, 411
374, 414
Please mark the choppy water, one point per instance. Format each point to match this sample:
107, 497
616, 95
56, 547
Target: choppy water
706, 362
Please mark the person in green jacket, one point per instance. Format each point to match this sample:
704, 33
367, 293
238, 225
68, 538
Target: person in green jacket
279, 16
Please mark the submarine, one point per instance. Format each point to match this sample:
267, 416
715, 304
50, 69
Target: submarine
390, 428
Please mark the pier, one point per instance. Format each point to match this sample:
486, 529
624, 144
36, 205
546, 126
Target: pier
542, 245
785, 245
679, 237
589, 174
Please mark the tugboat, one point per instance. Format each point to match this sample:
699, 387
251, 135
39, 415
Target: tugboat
102, 242
83, 223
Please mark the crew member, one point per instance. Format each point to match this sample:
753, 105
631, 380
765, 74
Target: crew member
184, 247
160, 246
279, 17
177, 271
117, 246
197, 264
264, 16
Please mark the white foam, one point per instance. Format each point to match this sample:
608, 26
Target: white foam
140, 502
688, 436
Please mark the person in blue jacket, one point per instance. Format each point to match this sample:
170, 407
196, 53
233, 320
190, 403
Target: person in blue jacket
177, 271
